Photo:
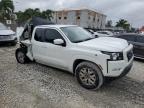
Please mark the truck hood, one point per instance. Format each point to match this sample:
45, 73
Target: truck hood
109, 44
6, 32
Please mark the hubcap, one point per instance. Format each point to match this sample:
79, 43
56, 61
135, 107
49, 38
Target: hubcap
21, 57
87, 76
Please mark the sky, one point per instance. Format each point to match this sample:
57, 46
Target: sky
131, 10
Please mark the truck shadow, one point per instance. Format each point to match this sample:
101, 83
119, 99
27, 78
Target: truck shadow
3, 45
139, 60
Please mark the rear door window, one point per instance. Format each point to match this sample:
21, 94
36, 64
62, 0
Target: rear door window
39, 34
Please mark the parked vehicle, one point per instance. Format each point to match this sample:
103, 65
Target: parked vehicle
138, 42
7, 35
104, 33
142, 32
73, 49
92, 32
100, 33
96, 34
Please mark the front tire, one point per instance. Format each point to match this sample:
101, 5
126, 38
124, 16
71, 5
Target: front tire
21, 55
89, 75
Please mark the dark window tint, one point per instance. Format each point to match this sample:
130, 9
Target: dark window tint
51, 35
128, 37
39, 35
140, 39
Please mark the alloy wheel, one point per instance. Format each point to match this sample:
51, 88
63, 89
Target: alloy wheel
87, 76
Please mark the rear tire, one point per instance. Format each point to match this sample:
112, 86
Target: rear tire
21, 55
89, 75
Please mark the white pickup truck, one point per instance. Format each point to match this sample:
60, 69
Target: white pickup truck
73, 49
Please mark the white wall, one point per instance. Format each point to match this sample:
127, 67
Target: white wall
84, 19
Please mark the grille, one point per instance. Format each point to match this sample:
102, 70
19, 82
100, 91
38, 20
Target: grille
4, 37
130, 55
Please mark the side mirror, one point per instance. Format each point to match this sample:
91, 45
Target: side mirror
58, 42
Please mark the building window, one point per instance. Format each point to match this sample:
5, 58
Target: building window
93, 19
65, 18
98, 20
78, 17
60, 18
89, 18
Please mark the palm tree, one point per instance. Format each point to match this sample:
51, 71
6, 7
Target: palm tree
123, 23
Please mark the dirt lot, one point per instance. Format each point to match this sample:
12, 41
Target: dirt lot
37, 86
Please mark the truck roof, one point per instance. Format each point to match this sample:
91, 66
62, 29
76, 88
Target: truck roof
56, 25
38, 22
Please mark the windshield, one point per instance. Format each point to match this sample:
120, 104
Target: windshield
76, 34
2, 27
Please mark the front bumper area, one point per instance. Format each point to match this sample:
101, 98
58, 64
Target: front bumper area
122, 67
126, 70
2, 41
119, 68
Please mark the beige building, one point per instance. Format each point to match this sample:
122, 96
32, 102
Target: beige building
83, 17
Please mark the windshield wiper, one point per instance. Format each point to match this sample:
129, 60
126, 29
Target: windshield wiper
83, 40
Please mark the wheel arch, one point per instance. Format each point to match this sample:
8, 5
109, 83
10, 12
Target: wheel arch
78, 61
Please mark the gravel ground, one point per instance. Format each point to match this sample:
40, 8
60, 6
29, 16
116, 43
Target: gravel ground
37, 86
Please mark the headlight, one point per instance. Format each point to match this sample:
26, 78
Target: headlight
114, 56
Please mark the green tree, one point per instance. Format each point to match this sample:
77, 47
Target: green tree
6, 9
124, 24
47, 14
29, 13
